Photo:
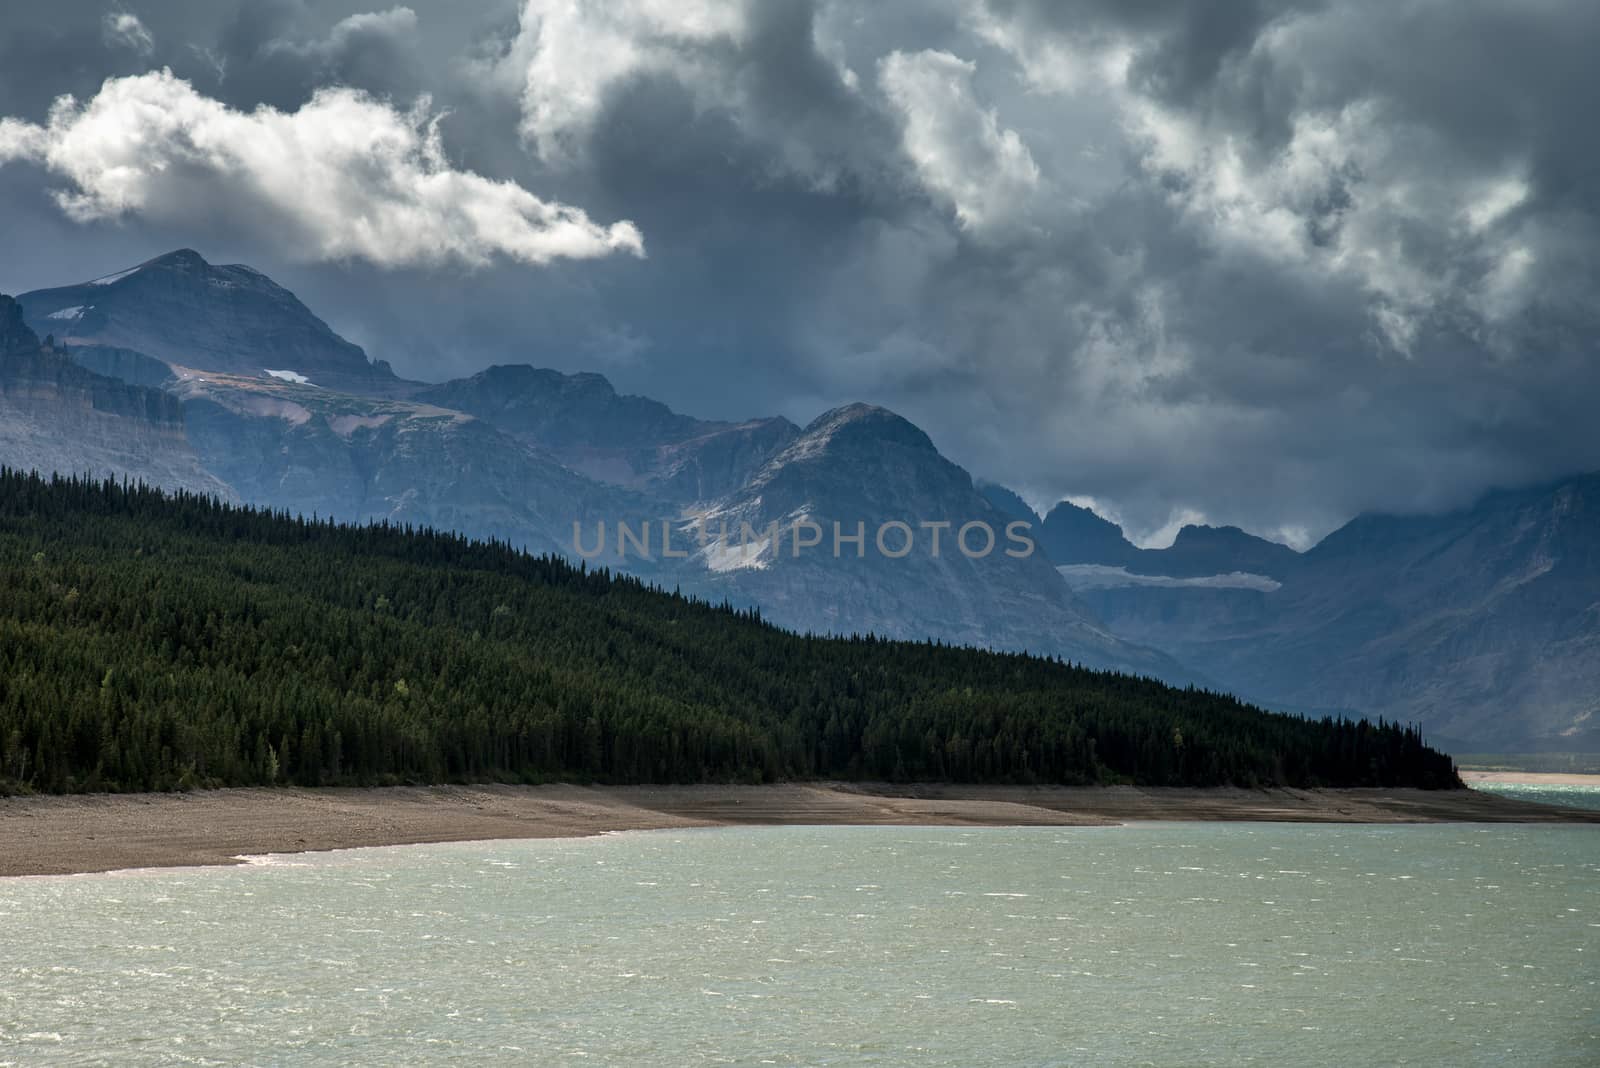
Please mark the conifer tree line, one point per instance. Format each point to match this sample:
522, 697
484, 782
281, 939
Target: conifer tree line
154, 642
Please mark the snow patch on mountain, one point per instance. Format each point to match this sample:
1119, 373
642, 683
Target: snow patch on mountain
1102, 576
108, 279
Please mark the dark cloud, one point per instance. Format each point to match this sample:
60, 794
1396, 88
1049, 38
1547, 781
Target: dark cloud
1268, 262
50, 49
267, 54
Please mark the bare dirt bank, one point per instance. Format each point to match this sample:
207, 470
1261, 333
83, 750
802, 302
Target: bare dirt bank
59, 835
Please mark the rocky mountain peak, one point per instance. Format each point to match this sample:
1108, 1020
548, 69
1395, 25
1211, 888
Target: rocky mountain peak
1202, 549
179, 259
185, 267
186, 312
556, 410
861, 426
524, 382
1072, 534
860, 461
14, 333
1192, 535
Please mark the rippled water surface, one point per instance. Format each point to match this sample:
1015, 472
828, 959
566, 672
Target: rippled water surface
1158, 943
1570, 795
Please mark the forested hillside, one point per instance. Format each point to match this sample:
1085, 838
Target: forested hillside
151, 642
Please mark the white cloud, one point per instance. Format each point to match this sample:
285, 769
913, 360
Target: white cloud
396, 22
1505, 287
960, 150
1053, 63
1498, 199
568, 54
21, 140
123, 30
345, 176
570, 58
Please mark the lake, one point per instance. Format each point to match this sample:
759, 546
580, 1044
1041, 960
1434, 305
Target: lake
1222, 943
1571, 795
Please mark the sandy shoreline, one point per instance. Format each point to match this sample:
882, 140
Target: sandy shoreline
102, 832
1532, 778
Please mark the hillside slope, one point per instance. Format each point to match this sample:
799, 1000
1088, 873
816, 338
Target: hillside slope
152, 643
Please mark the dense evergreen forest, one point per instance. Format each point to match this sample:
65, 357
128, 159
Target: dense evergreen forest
150, 642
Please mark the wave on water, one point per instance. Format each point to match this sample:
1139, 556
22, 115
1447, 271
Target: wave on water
1569, 795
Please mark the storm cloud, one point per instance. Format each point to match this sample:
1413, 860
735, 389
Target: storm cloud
1263, 263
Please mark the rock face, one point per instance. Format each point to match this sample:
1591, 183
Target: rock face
188, 313
1204, 550
309, 450
1075, 535
1009, 504
58, 417
716, 463
862, 467
561, 411
624, 440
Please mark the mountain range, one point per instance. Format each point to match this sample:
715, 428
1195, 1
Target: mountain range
287, 415
1482, 625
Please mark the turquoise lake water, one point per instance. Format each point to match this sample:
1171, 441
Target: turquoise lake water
1168, 944
1545, 793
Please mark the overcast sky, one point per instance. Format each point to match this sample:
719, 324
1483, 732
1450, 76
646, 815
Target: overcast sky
1262, 263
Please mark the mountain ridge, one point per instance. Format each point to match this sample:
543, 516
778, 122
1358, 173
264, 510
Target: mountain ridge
1447, 620
1073, 535
533, 456
622, 439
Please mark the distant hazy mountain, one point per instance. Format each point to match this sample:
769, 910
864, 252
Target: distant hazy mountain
57, 416
1075, 535
1483, 624
1072, 534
